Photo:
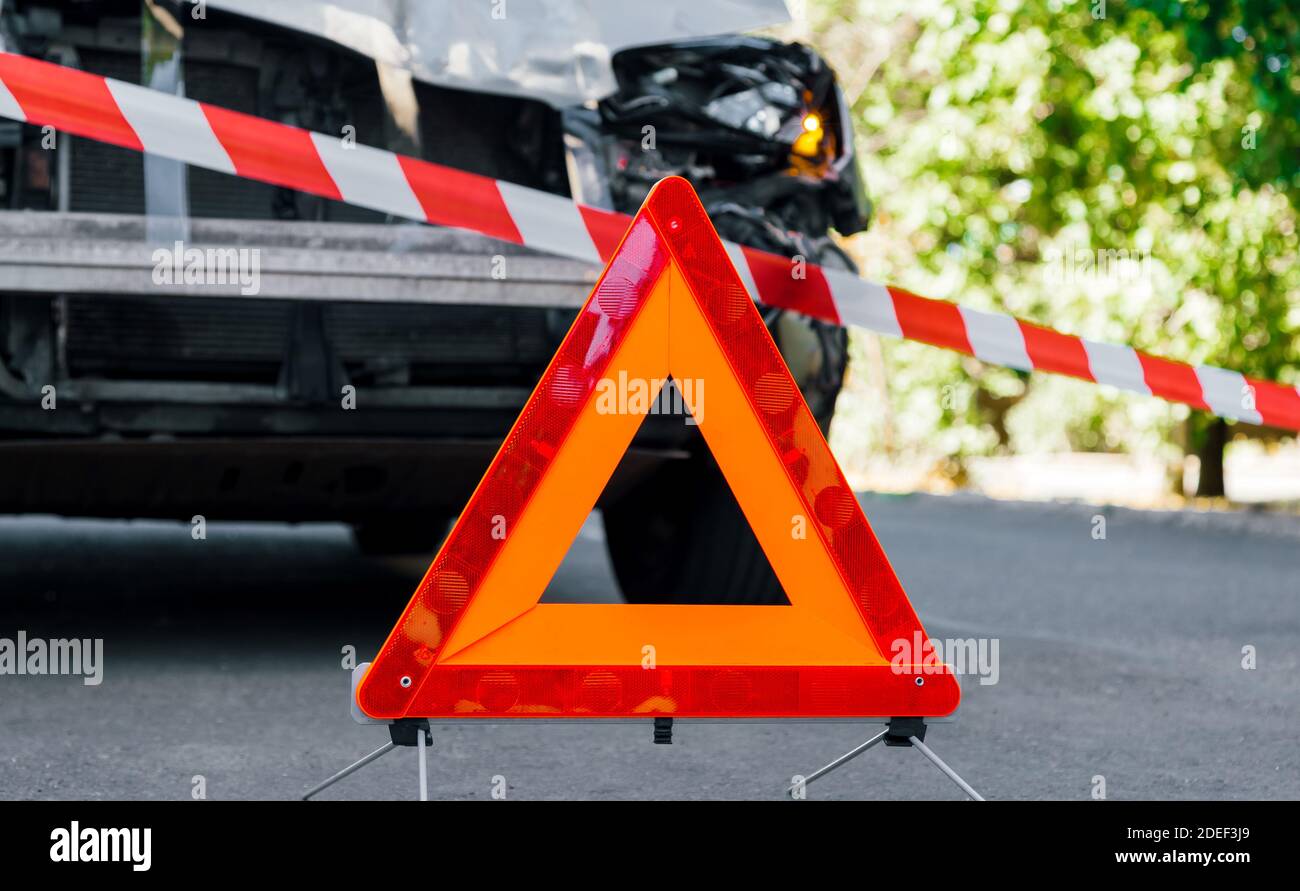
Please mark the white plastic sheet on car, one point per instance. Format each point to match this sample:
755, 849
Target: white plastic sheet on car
554, 50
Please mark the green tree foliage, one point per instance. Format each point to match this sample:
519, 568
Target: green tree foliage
1262, 39
1126, 172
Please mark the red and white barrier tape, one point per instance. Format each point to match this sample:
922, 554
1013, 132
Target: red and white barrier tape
219, 139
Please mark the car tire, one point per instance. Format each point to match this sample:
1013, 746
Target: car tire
680, 537
392, 537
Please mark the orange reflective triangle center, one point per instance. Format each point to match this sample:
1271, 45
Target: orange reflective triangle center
474, 642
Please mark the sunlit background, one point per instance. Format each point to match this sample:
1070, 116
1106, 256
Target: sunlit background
1125, 171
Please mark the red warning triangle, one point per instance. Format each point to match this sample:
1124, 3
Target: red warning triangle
474, 642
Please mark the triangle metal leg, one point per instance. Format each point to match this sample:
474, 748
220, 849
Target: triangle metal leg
837, 763
900, 732
424, 766
948, 771
350, 769
412, 732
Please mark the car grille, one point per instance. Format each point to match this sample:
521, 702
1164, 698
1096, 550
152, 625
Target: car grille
235, 340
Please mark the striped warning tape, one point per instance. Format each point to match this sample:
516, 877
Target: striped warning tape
219, 139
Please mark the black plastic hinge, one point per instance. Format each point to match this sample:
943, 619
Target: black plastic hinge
403, 731
901, 730
663, 731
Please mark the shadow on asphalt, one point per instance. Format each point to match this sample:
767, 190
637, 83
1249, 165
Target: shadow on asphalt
96, 578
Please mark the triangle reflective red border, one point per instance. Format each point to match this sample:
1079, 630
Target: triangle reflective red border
474, 642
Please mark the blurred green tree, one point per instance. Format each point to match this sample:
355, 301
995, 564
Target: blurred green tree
1123, 171
1262, 39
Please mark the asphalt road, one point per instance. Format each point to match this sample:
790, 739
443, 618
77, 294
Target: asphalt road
1118, 658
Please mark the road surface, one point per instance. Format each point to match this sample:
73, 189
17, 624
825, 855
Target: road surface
1118, 658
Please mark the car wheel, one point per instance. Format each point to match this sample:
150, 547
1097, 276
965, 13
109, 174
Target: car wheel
680, 537
396, 536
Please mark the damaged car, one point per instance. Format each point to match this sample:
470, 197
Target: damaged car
174, 402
